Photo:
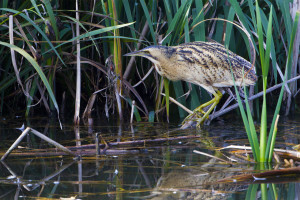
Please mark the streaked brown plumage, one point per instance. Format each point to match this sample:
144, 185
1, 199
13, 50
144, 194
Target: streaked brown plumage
202, 63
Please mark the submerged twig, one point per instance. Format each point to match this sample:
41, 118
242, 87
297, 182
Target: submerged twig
105, 143
208, 155
278, 176
40, 135
283, 152
59, 146
96, 147
14, 145
20, 181
80, 153
136, 142
226, 110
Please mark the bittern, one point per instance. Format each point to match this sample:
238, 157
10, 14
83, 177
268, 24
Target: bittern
206, 64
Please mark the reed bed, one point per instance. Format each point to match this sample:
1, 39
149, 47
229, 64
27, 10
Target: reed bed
54, 52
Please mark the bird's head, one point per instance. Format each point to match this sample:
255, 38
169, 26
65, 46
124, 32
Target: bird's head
155, 54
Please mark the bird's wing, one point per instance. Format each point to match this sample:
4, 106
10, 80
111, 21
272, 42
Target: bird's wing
215, 62
211, 54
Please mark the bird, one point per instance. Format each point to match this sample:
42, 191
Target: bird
206, 64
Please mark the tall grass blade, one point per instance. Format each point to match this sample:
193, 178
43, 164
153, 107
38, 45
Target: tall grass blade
289, 60
37, 68
129, 16
268, 44
252, 12
38, 29
242, 17
265, 23
273, 140
199, 31
150, 23
285, 10
264, 60
229, 27
260, 37
177, 24
168, 10
92, 33
33, 2
251, 136
263, 129
253, 133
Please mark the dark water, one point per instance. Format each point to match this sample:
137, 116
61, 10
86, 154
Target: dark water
159, 170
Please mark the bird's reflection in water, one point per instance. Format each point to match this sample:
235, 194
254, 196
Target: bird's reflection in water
200, 183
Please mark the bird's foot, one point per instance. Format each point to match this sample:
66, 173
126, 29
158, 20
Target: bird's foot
198, 116
198, 113
194, 115
200, 121
192, 120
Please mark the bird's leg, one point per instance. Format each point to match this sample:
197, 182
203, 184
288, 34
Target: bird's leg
200, 108
218, 95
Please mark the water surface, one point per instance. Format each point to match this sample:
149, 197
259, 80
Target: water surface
157, 170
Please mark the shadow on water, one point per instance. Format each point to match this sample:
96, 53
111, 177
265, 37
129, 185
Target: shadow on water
162, 170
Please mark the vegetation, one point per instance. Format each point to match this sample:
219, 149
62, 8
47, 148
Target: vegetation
263, 149
56, 52
47, 36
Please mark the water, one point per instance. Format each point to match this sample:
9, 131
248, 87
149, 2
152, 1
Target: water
157, 170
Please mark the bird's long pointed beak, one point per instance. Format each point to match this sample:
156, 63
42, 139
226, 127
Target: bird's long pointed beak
136, 53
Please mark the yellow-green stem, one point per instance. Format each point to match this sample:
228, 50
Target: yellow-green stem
263, 128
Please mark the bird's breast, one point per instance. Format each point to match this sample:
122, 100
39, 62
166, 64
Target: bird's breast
170, 70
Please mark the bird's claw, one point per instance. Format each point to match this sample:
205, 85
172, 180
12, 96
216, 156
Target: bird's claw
197, 115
